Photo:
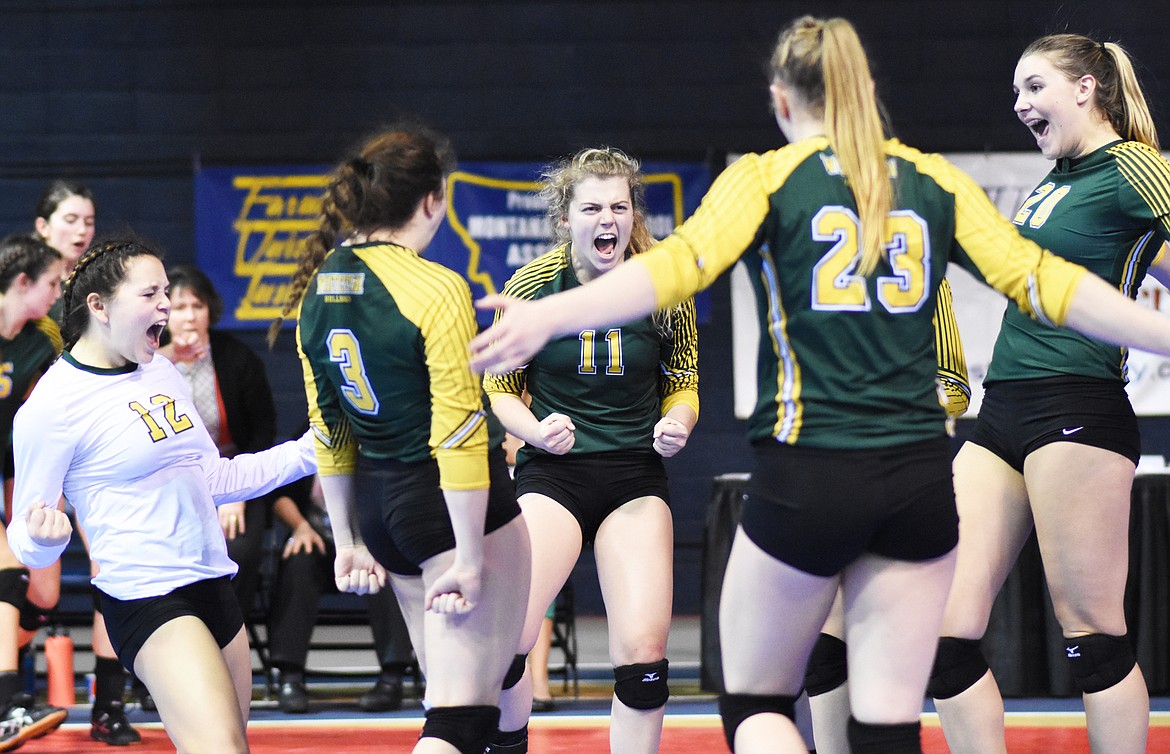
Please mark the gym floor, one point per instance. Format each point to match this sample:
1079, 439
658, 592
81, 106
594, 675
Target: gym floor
579, 724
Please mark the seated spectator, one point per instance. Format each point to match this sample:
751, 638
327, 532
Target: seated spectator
304, 575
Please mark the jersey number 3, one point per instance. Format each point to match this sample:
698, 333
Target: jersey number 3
835, 284
346, 352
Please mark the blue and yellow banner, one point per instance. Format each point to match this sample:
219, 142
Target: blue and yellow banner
250, 223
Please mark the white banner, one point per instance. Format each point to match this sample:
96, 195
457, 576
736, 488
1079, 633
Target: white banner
1008, 178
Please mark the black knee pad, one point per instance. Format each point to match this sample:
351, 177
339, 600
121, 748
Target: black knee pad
33, 618
642, 685
735, 708
515, 672
892, 738
469, 729
509, 742
14, 587
957, 666
827, 669
1099, 661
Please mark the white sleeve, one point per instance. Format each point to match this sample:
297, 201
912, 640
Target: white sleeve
250, 475
43, 447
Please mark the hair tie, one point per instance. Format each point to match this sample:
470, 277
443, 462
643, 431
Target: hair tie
1103, 47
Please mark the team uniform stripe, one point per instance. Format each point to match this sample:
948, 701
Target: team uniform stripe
789, 409
465, 430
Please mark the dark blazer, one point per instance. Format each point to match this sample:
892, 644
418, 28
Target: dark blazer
247, 398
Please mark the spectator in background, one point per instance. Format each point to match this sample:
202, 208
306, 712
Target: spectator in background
304, 575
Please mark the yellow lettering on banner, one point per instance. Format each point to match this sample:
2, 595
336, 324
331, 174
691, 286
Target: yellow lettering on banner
277, 214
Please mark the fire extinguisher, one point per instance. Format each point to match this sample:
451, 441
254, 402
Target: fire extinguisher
59, 665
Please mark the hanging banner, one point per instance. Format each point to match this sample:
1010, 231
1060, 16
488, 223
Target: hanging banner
250, 224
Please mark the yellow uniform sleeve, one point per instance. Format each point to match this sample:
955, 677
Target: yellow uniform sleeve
680, 367
724, 226
1041, 283
952, 365
459, 435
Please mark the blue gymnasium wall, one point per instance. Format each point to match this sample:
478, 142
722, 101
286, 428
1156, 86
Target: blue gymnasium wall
130, 96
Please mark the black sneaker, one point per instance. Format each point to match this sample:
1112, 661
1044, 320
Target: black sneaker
292, 696
24, 720
386, 696
110, 726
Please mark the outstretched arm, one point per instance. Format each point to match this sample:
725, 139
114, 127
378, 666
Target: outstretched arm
1100, 311
620, 295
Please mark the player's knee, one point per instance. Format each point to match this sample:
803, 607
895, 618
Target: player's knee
1099, 661
642, 685
889, 738
469, 728
958, 665
735, 708
515, 672
827, 669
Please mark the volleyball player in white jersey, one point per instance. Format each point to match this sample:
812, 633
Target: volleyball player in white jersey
115, 430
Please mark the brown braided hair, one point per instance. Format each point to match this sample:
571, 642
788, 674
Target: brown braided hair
101, 269
27, 253
379, 186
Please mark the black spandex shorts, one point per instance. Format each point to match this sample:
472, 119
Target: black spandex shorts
1019, 416
131, 622
403, 515
819, 510
593, 485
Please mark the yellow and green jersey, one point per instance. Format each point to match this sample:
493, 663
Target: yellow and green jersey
1108, 211
22, 362
614, 383
848, 361
383, 339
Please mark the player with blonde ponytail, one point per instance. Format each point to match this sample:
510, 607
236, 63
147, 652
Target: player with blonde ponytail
1056, 444
851, 483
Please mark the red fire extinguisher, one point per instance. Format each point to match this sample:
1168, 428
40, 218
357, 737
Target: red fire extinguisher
59, 664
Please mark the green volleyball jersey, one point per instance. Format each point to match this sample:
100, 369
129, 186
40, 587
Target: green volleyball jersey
383, 339
1109, 211
615, 383
847, 361
22, 362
